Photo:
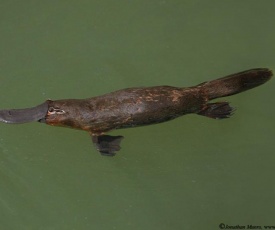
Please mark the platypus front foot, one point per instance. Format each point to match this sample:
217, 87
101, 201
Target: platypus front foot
107, 145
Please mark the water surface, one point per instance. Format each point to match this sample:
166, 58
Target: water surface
190, 173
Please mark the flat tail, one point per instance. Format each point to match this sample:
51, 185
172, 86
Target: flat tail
236, 83
218, 110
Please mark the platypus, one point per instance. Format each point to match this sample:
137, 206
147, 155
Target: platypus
134, 107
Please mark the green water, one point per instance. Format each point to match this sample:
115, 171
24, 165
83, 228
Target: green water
190, 173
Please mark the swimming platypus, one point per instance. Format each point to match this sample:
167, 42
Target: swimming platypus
134, 107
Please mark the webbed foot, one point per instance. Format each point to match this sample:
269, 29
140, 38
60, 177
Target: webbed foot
107, 145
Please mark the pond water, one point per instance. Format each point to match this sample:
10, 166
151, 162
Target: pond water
189, 173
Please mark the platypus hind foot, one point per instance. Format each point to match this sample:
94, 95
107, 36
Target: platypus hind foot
218, 110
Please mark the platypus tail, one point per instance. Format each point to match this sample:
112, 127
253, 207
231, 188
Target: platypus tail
236, 83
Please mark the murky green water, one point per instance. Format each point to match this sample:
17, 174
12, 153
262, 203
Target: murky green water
190, 173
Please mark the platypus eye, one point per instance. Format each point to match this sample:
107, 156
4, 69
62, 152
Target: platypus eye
53, 110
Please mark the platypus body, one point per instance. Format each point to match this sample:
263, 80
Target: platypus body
134, 107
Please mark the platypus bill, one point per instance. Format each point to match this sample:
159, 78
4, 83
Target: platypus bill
134, 107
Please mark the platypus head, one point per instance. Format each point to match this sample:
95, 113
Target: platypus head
62, 113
